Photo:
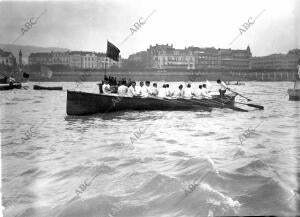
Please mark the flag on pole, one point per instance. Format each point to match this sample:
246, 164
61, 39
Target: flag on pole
112, 51
46, 72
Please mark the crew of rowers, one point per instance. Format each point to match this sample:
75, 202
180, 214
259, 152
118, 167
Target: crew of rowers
145, 90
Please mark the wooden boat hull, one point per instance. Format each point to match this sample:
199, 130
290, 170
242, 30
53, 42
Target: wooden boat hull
38, 87
294, 94
10, 86
81, 103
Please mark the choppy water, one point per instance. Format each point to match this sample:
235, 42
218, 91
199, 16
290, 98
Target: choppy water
149, 164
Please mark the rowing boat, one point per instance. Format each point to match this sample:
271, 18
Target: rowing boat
82, 103
38, 87
10, 86
294, 94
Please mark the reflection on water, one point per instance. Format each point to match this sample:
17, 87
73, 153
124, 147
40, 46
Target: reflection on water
47, 155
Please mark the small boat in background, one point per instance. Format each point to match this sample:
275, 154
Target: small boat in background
38, 87
10, 86
236, 83
294, 94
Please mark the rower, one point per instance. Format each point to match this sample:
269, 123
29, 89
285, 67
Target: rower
199, 92
162, 92
205, 91
122, 90
168, 91
188, 93
223, 88
132, 90
106, 87
146, 89
154, 90
179, 93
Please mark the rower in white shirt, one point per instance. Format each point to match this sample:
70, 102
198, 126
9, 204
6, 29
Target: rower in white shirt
199, 92
162, 92
168, 91
205, 91
122, 90
154, 90
106, 87
188, 93
179, 93
146, 91
223, 88
131, 92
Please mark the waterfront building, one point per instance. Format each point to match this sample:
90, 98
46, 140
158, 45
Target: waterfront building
277, 61
40, 58
89, 60
7, 58
60, 58
167, 57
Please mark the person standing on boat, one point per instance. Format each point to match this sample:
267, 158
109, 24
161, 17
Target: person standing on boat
132, 90
106, 87
223, 88
122, 90
179, 93
154, 90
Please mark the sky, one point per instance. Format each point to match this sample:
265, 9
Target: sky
87, 25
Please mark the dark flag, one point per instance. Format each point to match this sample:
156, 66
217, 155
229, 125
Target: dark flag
112, 51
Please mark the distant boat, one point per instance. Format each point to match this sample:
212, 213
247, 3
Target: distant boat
236, 83
10, 86
38, 87
294, 94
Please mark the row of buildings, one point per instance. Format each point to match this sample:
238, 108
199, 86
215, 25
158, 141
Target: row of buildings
167, 57
7, 58
74, 59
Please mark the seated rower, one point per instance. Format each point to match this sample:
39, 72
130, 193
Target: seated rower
122, 90
131, 92
146, 89
179, 93
205, 91
106, 87
188, 93
223, 88
162, 92
154, 90
168, 91
199, 92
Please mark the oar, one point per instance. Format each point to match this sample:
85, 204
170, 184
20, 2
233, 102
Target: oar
238, 94
252, 105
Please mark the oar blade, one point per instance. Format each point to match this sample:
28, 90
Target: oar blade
256, 106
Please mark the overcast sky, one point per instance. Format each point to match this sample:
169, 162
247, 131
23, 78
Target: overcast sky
86, 25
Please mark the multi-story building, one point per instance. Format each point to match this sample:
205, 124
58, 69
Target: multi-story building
7, 58
40, 58
89, 60
287, 61
167, 57
74, 59
61, 58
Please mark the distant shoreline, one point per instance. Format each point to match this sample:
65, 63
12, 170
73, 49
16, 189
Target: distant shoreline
82, 76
